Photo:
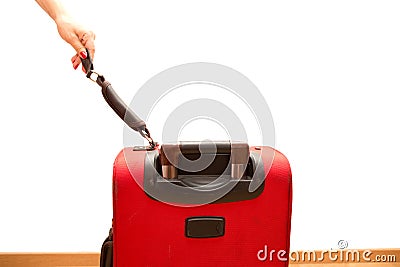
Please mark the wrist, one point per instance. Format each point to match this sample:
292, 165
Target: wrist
63, 19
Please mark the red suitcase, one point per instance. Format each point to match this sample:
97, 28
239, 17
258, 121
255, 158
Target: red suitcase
240, 230
233, 211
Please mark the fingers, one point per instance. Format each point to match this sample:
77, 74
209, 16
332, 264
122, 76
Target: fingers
79, 48
77, 45
87, 40
90, 45
78, 37
84, 40
75, 61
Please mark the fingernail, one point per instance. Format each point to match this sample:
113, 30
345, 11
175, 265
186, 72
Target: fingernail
75, 66
83, 54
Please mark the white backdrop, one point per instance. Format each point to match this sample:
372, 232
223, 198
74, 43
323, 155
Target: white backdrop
329, 71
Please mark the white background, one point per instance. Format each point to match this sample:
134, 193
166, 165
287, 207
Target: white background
329, 71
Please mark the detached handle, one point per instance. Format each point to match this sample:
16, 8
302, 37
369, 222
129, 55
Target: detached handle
123, 111
115, 102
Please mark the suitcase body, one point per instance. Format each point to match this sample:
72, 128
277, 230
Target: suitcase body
249, 230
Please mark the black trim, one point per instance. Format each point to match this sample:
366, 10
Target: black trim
106, 255
198, 189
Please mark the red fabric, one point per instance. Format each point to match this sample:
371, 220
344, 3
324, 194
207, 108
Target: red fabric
152, 233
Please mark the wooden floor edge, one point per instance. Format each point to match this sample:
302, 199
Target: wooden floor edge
390, 257
37, 259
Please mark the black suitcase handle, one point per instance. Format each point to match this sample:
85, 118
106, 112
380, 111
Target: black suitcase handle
214, 184
115, 102
207, 158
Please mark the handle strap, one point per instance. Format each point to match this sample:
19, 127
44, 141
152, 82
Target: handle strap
116, 103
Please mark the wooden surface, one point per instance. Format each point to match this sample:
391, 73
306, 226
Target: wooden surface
92, 260
49, 259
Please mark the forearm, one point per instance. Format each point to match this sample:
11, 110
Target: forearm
53, 7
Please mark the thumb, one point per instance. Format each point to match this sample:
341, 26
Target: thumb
78, 46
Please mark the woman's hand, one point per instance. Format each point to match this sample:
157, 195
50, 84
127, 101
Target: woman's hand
78, 37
